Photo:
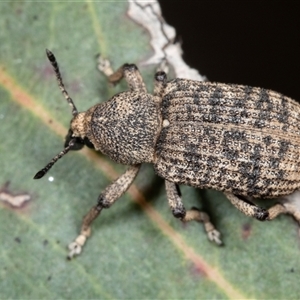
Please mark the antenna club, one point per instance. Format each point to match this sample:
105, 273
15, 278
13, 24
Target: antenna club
50, 56
39, 174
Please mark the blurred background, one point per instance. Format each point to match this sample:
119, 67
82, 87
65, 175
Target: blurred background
246, 42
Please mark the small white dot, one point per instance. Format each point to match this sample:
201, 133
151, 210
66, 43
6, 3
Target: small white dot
51, 178
166, 123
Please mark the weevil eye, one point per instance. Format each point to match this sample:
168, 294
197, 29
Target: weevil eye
79, 142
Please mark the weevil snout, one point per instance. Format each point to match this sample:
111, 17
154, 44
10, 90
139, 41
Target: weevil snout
78, 141
79, 130
78, 126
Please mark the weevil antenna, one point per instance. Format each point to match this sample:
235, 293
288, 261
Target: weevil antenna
54, 64
42, 172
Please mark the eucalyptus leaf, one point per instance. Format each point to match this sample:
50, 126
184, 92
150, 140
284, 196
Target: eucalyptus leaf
138, 250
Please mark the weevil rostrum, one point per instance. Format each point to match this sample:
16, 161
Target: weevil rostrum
241, 140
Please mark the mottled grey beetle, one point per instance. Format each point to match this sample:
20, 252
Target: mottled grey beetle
240, 140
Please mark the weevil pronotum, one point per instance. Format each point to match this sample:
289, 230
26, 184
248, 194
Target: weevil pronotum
241, 140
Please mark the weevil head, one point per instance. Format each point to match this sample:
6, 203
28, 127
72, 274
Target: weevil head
125, 128
78, 132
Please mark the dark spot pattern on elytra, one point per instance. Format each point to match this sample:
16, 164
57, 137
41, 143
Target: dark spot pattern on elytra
283, 114
237, 135
196, 99
230, 154
264, 100
273, 162
267, 140
216, 96
280, 174
284, 145
225, 137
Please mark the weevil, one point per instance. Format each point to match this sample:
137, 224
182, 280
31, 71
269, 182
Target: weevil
243, 141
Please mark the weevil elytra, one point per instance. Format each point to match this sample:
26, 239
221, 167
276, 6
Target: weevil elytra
241, 140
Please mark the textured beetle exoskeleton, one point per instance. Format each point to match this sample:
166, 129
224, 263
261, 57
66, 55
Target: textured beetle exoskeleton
240, 140
231, 138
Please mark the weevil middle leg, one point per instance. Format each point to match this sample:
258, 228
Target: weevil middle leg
179, 211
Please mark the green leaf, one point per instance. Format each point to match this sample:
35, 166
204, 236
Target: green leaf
138, 250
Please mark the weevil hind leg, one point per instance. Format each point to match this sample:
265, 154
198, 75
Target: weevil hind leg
287, 205
129, 72
247, 207
107, 198
179, 211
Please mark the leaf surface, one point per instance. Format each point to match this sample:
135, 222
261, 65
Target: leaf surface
137, 250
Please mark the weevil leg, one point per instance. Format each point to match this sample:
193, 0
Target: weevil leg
129, 72
163, 66
247, 207
179, 211
160, 81
108, 197
104, 66
288, 205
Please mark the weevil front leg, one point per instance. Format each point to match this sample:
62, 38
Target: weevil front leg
108, 197
129, 72
160, 82
179, 211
